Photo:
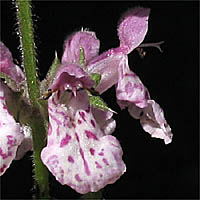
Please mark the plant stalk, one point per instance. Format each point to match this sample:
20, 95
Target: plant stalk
37, 124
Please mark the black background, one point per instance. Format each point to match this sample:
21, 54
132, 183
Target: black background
154, 170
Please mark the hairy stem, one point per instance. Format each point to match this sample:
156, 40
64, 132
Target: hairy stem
40, 171
28, 47
37, 123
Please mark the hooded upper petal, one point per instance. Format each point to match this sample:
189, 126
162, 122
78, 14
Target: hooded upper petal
71, 76
11, 133
133, 28
78, 153
153, 121
85, 39
8, 67
129, 87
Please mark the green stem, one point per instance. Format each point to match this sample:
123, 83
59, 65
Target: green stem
40, 171
38, 122
28, 48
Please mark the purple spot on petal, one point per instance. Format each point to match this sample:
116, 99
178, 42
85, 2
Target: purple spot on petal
79, 121
70, 159
90, 134
101, 154
92, 151
105, 161
77, 177
87, 171
65, 140
82, 114
98, 165
74, 125
93, 123
77, 138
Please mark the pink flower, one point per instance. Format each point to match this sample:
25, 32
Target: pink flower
114, 70
11, 132
80, 151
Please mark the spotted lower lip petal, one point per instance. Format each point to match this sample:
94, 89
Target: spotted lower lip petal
78, 153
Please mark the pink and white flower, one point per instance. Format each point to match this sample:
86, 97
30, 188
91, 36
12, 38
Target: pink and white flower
80, 151
11, 132
114, 69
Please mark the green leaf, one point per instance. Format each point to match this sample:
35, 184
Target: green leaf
98, 102
97, 78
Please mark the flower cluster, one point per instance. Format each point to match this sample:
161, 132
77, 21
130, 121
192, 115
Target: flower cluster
80, 151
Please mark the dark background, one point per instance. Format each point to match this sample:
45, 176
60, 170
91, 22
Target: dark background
154, 170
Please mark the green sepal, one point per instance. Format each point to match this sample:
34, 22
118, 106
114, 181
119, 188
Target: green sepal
96, 78
98, 102
45, 84
82, 56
